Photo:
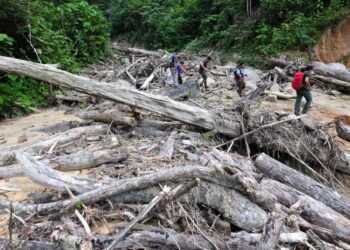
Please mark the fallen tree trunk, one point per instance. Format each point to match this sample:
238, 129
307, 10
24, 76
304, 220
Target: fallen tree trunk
108, 116
44, 175
7, 154
76, 161
280, 95
149, 79
324, 70
233, 206
27, 245
117, 188
155, 103
118, 47
311, 210
343, 130
333, 81
303, 183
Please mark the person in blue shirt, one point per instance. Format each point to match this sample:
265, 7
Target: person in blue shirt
239, 74
180, 69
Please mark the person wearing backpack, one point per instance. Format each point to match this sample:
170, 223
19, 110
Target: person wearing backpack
239, 75
172, 65
203, 68
302, 84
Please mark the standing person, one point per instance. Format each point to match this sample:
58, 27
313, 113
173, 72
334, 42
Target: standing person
239, 74
203, 68
180, 69
172, 66
302, 85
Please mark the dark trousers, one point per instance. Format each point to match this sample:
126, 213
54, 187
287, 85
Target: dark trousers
308, 96
241, 86
204, 75
179, 78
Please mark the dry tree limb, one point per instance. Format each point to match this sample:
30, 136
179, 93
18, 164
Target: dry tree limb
28, 244
303, 183
46, 176
76, 161
198, 228
272, 229
311, 209
284, 238
117, 188
149, 79
258, 129
118, 47
280, 95
141, 215
108, 116
131, 66
316, 240
7, 154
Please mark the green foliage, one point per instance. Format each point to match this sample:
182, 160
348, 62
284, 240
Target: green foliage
275, 25
71, 33
28, 92
6, 43
208, 135
79, 205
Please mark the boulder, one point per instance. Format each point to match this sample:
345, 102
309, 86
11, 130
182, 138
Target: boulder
271, 98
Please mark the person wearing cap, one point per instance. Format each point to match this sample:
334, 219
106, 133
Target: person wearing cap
304, 91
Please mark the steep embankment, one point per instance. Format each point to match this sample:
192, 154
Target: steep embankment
335, 43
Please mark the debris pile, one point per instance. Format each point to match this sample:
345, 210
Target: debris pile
171, 169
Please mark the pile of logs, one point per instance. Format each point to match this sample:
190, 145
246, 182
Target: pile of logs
155, 182
335, 75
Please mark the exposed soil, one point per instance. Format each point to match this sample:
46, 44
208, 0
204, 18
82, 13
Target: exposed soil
335, 43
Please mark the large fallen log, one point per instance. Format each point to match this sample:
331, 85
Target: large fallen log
333, 81
280, 172
325, 70
44, 175
343, 130
108, 116
311, 210
117, 188
155, 103
76, 161
7, 154
280, 95
27, 245
233, 206
116, 46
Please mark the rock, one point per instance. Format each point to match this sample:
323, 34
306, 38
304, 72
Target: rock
275, 88
252, 79
334, 92
22, 138
211, 82
227, 94
271, 98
